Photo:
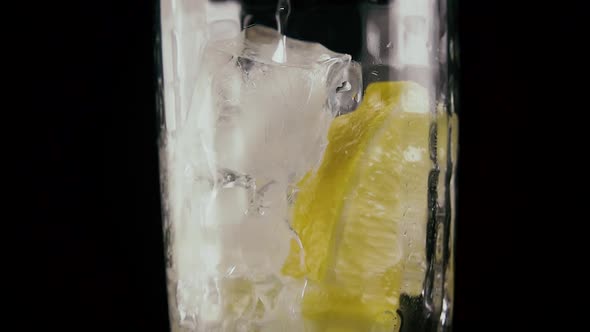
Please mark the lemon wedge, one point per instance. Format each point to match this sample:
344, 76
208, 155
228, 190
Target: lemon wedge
361, 216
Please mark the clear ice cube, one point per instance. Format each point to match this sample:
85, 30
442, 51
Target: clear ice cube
257, 122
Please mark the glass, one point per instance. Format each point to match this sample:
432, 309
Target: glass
307, 153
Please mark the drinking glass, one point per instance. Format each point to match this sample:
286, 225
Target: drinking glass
307, 156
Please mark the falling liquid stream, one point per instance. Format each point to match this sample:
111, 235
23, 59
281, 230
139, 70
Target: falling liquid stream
281, 16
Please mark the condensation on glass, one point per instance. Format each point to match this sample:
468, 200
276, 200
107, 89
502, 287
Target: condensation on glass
307, 153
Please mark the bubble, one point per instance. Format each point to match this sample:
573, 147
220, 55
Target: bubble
345, 86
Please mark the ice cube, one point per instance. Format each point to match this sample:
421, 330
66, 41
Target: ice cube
256, 124
274, 115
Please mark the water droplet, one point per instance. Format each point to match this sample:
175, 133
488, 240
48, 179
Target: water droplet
228, 180
345, 86
389, 45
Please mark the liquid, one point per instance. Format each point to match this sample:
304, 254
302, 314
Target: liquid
233, 228
281, 16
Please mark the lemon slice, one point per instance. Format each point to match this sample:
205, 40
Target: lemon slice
361, 217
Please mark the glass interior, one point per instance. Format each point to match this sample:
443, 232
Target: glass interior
308, 153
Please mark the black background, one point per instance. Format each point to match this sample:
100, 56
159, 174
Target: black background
94, 257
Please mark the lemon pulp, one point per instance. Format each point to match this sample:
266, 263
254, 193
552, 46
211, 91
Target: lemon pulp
361, 216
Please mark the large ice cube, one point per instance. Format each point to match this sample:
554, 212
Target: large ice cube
257, 122
271, 116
